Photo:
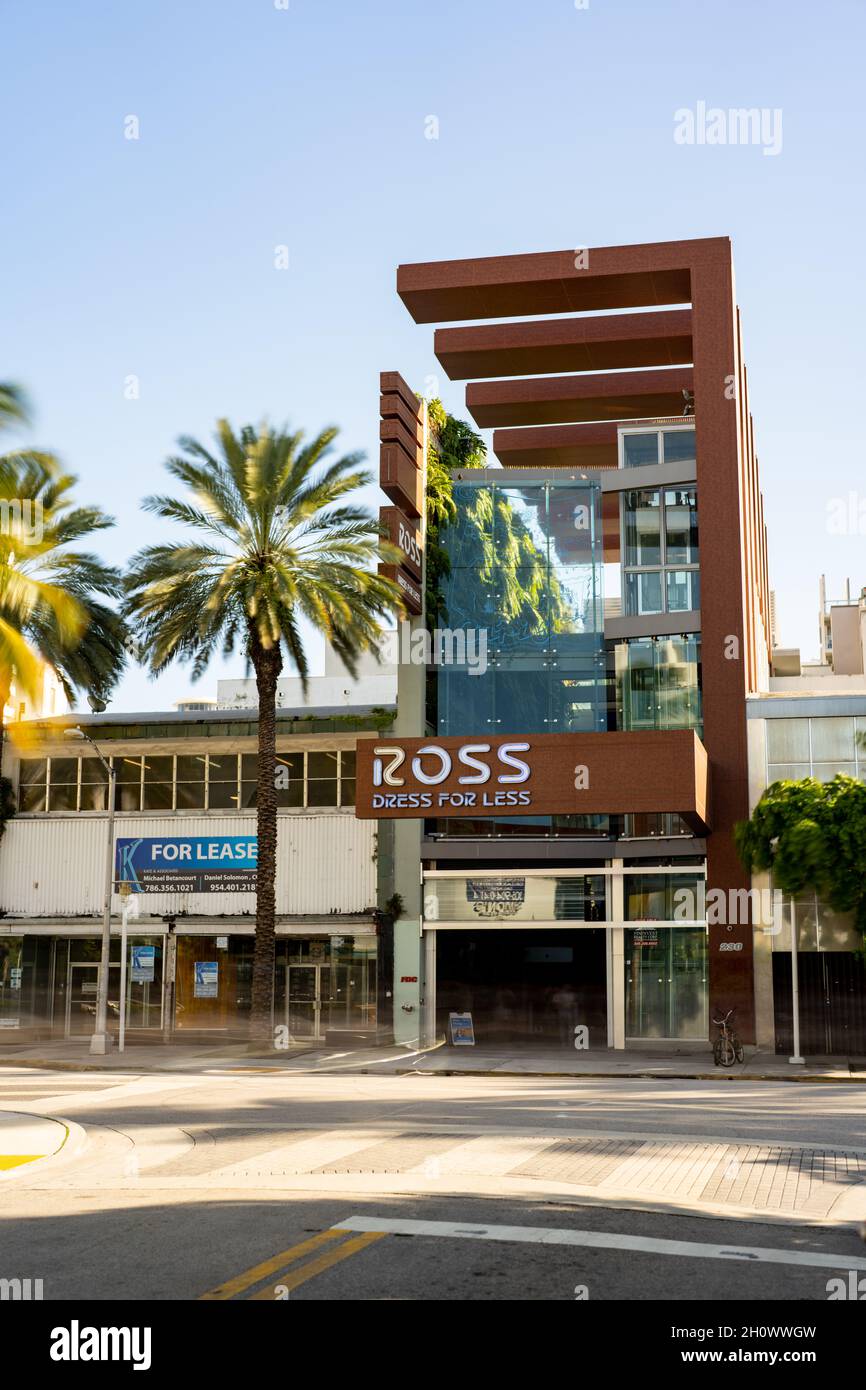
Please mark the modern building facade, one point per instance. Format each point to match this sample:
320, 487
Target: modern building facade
185, 844
580, 792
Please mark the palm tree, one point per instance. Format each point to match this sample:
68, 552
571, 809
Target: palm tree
51, 593
277, 541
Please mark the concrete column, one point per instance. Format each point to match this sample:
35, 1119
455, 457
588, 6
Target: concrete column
616, 974
411, 722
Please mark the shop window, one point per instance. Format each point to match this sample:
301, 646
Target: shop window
249, 780
289, 779
158, 783
191, 782
94, 785
63, 784
33, 784
129, 774
322, 769
222, 782
347, 779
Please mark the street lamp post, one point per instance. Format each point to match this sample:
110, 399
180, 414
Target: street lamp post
100, 1043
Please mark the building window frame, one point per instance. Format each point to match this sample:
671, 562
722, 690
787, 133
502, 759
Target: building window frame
659, 431
664, 568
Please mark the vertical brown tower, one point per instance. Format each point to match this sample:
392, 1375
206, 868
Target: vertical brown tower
555, 390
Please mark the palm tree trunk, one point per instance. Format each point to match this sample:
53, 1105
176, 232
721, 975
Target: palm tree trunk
268, 663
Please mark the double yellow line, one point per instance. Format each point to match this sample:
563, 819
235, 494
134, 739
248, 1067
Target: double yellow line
273, 1268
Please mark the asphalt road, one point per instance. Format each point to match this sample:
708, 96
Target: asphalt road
230, 1187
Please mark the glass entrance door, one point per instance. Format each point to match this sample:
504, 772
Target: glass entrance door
81, 994
308, 999
666, 983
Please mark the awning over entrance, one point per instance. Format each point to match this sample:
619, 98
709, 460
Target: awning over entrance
536, 774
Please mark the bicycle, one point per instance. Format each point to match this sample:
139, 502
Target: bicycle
727, 1048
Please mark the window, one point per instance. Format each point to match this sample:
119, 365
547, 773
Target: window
94, 785
660, 551
643, 542
63, 784
190, 782
347, 779
222, 779
289, 779
679, 446
322, 779
158, 780
642, 448
833, 739
129, 775
657, 682
788, 741
681, 526
33, 784
187, 782
249, 780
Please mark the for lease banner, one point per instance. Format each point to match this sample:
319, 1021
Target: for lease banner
188, 863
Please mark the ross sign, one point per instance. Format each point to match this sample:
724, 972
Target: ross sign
15, 972
406, 535
143, 964
461, 1030
222, 943
188, 864
206, 979
537, 774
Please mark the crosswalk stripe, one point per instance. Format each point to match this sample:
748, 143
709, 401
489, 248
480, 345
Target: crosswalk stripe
602, 1240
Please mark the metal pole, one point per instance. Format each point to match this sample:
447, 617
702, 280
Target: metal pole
121, 1032
100, 1043
796, 1060
169, 971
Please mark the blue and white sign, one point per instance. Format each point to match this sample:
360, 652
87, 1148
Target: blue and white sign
461, 1030
206, 979
143, 964
188, 864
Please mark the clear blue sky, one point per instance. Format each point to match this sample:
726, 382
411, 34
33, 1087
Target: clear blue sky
306, 127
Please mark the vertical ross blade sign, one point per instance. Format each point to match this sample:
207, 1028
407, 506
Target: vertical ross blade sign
401, 478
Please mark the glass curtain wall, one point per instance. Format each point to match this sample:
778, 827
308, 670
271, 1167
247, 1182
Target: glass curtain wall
657, 682
525, 588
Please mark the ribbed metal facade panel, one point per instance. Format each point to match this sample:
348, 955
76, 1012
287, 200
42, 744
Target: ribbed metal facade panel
55, 866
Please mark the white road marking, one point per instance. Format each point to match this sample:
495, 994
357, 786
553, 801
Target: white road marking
600, 1240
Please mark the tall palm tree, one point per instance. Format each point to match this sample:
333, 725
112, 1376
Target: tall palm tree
52, 611
277, 541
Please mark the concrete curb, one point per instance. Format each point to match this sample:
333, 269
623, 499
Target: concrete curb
241, 1063
70, 1148
639, 1075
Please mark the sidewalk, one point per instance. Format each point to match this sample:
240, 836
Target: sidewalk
25, 1138
443, 1060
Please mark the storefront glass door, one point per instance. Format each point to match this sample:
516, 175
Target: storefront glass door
666, 983
308, 999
